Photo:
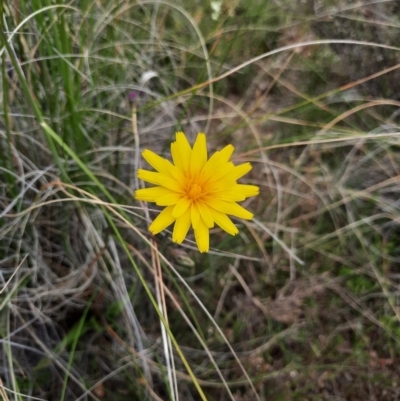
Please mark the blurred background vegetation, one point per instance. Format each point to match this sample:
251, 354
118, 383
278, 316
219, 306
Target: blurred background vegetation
303, 304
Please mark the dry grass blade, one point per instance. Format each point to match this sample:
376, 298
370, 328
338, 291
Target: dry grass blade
302, 303
12, 276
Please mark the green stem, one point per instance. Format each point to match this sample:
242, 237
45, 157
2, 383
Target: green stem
7, 158
32, 101
74, 344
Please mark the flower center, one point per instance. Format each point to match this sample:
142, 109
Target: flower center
194, 191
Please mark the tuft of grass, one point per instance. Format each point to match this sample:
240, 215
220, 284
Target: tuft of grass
302, 304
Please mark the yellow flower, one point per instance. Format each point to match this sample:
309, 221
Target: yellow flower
195, 191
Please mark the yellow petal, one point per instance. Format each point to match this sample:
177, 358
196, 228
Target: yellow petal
149, 176
213, 164
156, 161
224, 222
219, 186
199, 154
181, 152
205, 214
169, 199
222, 172
181, 207
231, 208
195, 214
171, 183
162, 221
181, 227
228, 197
239, 171
162, 165
202, 235
226, 153
151, 194
176, 173
219, 172
237, 192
